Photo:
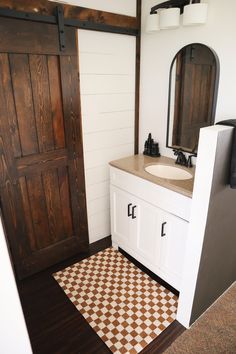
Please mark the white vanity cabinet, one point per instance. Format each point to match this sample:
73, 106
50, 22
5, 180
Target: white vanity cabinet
140, 226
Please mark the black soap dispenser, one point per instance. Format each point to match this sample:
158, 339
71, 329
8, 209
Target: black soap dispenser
150, 147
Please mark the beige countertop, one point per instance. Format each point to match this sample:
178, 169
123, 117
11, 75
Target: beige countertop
135, 165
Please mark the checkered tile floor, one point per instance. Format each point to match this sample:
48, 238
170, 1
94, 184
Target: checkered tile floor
125, 307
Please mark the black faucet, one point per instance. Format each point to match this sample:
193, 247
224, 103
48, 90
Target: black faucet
181, 158
189, 162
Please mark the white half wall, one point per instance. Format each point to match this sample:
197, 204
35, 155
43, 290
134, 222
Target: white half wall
211, 245
13, 333
107, 86
157, 52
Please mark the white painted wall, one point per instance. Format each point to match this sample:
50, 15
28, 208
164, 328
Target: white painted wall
107, 84
124, 7
13, 333
159, 49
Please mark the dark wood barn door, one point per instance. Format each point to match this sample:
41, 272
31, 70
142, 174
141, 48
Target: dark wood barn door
41, 156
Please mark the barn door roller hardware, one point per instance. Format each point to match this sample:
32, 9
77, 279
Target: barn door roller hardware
61, 27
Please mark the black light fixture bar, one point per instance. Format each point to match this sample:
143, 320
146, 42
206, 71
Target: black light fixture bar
173, 3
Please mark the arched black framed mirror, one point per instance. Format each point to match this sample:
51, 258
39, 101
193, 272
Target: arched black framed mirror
193, 88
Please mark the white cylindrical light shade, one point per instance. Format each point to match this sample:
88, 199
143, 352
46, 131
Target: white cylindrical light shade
152, 24
195, 14
169, 18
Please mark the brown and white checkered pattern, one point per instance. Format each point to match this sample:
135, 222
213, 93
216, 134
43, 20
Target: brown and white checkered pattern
121, 303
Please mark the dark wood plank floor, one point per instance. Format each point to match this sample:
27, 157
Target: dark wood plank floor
54, 324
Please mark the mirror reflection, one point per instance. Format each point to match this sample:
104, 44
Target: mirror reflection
193, 89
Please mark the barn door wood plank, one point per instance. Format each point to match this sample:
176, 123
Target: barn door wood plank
38, 210
10, 105
56, 101
11, 202
65, 199
54, 206
38, 163
72, 121
28, 215
42, 104
21, 81
39, 40
45, 258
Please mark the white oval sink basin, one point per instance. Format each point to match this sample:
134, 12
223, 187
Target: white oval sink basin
169, 172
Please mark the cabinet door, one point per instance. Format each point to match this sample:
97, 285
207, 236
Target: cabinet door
172, 247
120, 216
135, 226
147, 232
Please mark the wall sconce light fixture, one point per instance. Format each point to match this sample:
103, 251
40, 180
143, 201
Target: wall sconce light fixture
167, 14
195, 14
153, 23
169, 18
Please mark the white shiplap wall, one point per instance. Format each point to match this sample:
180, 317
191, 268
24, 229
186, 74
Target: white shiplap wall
107, 84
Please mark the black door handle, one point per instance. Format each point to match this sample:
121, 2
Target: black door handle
162, 229
129, 212
133, 208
